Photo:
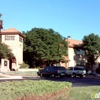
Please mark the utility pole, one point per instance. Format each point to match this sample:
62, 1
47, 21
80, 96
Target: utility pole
1, 23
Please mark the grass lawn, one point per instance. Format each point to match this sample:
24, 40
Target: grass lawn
20, 89
83, 93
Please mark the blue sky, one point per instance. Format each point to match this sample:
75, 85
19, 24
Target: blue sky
76, 18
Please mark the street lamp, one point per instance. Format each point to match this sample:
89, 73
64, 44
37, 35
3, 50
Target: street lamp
68, 49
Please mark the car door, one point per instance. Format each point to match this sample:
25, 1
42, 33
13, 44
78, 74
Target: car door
46, 71
69, 71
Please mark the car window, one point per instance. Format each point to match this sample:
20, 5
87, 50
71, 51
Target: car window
58, 68
70, 68
54, 68
78, 68
61, 68
81, 68
46, 68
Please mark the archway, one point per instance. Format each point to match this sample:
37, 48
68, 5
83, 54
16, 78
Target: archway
12, 63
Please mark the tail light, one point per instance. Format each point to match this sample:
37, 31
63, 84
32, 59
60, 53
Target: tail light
57, 71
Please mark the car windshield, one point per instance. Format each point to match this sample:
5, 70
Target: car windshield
70, 68
79, 68
58, 68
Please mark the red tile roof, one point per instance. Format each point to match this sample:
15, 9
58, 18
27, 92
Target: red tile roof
12, 31
65, 58
73, 43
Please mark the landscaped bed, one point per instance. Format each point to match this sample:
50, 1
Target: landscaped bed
34, 90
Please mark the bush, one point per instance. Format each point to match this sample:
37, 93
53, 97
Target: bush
98, 70
24, 65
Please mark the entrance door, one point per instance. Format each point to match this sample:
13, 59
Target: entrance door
10, 64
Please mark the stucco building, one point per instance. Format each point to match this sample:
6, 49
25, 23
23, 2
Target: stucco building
14, 39
76, 56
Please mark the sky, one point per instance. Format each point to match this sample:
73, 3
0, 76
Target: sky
75, 18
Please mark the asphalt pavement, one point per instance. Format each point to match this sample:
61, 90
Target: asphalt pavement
89, 80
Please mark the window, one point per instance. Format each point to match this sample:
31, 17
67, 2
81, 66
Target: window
70, 68
46, 68
79, 51
5, 63
9, 37
78, 68
20, 39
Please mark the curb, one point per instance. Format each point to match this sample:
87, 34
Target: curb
92, 76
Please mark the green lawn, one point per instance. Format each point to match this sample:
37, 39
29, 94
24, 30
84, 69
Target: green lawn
83, 93
17, 89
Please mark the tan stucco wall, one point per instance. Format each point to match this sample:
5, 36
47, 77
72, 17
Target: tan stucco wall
63, 64
75, 58
71, 56
98, 60
17, 48
4, 67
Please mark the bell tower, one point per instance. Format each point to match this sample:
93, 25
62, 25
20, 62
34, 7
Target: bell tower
14, 39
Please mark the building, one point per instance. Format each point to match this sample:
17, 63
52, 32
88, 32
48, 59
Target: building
76, 56
14, 39
75, 53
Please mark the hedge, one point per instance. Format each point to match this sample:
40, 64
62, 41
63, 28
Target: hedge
23, 90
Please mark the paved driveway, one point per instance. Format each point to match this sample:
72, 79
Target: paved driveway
76, 82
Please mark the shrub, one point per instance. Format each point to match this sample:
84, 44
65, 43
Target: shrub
24, 65
98, 70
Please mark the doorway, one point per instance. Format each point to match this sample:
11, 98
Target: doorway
10, 64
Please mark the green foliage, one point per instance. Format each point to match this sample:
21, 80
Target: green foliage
24, 65
17, 89
91, 44
5, 52
43, 45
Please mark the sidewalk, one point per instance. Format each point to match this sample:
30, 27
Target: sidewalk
4, 77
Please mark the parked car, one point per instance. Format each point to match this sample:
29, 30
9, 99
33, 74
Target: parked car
52, 71
76, 71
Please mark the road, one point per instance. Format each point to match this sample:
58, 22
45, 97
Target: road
76, 82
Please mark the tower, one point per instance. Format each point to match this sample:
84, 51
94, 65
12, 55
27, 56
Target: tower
14, 39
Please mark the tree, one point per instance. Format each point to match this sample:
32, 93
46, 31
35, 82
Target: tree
43, 45
91, 44
5, 52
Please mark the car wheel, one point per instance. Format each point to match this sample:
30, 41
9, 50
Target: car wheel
73, 75
61, 76
81, 76
52, 75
